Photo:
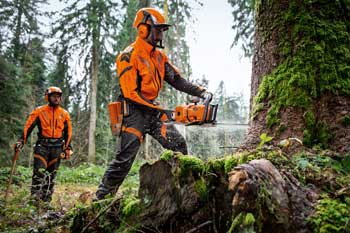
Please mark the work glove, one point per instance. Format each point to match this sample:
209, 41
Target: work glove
66, 154
207, 95
156, 102
18, 145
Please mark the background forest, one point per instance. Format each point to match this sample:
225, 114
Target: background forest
291, 173
75, 49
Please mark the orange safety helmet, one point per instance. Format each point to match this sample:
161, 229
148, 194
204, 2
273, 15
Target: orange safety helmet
51, 90
145, 19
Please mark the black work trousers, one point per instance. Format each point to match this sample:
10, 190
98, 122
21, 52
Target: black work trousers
135, 126
46, 162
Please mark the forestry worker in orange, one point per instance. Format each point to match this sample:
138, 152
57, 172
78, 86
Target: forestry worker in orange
53, 144
142, 69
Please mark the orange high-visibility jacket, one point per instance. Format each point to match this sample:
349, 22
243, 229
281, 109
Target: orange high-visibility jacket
52, 123
142, 70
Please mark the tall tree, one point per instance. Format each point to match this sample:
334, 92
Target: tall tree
18, 23
108, 85
34, 69
13, 95
86, 28
22, 64
301, 72
21, 40
60, 75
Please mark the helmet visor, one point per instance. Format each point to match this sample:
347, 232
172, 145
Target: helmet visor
163, 27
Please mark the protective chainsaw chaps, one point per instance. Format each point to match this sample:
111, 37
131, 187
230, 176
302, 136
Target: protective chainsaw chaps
115, 117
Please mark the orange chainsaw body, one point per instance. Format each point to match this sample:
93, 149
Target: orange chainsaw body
194, 113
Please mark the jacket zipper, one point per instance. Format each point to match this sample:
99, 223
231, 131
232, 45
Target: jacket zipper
156, 75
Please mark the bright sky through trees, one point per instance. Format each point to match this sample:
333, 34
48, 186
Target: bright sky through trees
210, 39
210, 51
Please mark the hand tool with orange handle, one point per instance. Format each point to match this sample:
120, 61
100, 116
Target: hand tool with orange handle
17, 149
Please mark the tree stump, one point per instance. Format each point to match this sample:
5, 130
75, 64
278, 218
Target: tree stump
277, 200
253, 197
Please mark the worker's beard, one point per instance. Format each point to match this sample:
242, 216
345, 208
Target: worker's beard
54, 104
157, 42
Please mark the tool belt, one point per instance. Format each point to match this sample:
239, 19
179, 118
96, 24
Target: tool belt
51, 142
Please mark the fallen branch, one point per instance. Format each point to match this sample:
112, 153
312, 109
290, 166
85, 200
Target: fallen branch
199, 226
100, 213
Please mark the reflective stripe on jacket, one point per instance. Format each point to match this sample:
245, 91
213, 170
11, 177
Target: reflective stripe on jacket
142, 70
52, 123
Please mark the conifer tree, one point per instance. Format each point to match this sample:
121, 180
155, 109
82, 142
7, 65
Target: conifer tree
86, 27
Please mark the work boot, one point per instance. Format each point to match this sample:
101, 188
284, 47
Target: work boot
52, 215
96, 198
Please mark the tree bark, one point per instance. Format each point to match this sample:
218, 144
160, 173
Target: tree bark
173, 204
93, 96
277, 199
278, 202
298, 88
145, 3
16, 39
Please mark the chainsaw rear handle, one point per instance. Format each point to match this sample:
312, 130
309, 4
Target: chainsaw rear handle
207, 96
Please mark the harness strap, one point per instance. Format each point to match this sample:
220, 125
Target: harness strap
52, 162
41, 159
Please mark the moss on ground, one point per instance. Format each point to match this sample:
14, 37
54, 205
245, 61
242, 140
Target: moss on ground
332, 215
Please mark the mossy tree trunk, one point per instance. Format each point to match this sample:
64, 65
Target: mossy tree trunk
301, 73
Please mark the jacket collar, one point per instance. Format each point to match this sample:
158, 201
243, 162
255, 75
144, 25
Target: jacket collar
54, 107
142, 44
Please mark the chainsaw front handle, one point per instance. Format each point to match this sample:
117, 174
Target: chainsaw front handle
207, 100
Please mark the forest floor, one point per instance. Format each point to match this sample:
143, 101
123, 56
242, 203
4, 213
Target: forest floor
74, 188
328, 173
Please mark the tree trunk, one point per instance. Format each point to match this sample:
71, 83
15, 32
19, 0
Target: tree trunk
92, 123
299, 86
16, 39
145, 3
94, 81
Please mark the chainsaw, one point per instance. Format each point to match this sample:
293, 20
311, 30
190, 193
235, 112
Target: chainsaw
194, 113
189, 114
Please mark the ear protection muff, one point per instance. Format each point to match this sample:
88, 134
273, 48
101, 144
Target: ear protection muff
47, 95
144, 29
